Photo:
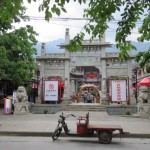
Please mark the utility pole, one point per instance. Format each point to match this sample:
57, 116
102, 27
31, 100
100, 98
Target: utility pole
136, 85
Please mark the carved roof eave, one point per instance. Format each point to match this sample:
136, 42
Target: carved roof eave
47, 58
135, 66
78, 74
107, 57
87, 44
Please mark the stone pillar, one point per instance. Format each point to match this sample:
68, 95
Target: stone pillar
43, 49
132, 97
103, 38
42, 73
67, 66
72, 87
67, 36
104, 70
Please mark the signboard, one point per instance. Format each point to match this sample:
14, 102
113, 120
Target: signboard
91, 75
119, 90
51, 91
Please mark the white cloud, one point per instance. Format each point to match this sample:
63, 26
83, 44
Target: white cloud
134, 35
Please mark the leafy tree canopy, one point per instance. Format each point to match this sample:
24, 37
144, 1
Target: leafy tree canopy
16, 55
100, 12
16, 45
11, 11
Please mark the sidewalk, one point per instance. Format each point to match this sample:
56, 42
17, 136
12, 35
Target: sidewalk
45, 124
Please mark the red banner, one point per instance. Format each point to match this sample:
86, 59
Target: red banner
34, 85
91, 75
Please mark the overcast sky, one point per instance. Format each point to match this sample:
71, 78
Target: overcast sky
53, 30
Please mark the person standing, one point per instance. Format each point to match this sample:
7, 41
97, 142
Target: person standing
85, 96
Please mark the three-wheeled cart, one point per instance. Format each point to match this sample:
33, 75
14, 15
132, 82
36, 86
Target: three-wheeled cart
104, 132
85, 129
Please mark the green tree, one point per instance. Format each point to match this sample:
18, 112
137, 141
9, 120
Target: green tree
17, 63
16, 45
3, 62
11, 11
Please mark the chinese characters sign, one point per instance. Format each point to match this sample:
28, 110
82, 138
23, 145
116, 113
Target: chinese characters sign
51, 91
91, 75
119, 88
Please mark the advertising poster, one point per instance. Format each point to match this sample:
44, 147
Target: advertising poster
51, 91
119, 90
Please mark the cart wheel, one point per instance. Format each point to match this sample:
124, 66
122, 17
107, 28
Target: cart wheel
105, 137
56, 134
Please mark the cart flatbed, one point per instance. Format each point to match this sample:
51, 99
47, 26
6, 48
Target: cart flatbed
83, 126
98, 127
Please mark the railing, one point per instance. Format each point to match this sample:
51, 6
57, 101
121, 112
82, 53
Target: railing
112, 54
55, 54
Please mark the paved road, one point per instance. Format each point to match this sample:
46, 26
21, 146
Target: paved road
38, 143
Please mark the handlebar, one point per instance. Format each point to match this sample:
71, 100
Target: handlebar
73, 115
62, 116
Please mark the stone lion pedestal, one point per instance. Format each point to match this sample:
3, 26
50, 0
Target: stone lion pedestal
143, 102
144, 110
22, 108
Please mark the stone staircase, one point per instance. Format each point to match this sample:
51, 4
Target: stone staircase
84, 107
111, 109
53, 108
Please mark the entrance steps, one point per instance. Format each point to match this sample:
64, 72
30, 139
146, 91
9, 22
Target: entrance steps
84, 107
53, 108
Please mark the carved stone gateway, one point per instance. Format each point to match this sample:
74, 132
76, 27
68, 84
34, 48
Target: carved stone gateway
22, 106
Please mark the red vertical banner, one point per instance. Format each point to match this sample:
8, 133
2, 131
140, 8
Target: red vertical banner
35, 85
119, 90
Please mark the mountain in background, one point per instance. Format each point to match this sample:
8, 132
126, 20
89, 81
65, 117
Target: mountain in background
141, 47
52, 47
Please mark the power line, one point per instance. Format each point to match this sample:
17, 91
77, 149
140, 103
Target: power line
58, 18
66, 25
112, 29
74, 19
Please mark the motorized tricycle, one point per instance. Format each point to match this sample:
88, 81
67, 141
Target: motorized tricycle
84, 129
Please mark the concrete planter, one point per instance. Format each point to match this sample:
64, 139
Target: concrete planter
121, 110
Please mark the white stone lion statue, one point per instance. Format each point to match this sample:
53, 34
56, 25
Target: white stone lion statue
143, 95
21, 95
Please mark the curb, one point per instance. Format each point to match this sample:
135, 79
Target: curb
49, 134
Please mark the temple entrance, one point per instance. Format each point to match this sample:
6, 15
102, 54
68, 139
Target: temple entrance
81, 75
89, 93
